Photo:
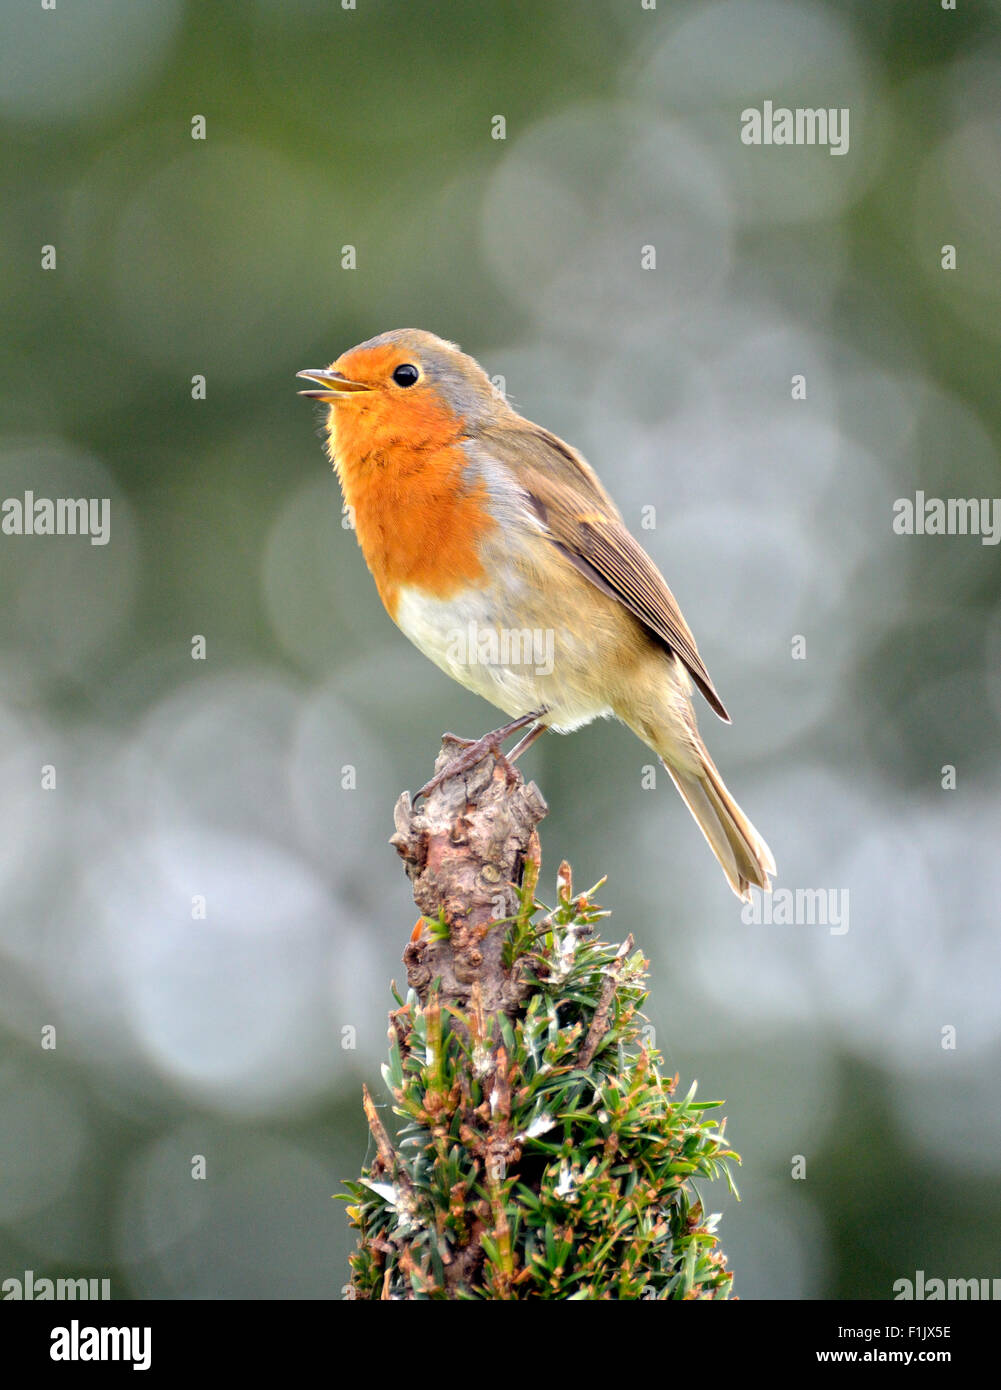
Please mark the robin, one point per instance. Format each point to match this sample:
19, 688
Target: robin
498, 552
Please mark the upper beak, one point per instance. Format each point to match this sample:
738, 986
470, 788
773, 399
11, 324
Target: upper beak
334, 384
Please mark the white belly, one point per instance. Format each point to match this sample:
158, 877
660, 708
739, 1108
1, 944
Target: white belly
518, 670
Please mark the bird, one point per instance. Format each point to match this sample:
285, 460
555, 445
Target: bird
495, 548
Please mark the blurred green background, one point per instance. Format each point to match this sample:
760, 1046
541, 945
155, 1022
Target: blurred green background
245, 1037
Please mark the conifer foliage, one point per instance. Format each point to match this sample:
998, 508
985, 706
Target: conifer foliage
541, 1154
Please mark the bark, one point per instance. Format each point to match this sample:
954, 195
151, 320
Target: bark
464, 848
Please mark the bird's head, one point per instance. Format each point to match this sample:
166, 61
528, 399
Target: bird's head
402, 392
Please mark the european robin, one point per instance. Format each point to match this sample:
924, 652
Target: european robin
498, 552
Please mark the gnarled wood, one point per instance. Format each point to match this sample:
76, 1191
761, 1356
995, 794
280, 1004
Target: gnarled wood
464, 847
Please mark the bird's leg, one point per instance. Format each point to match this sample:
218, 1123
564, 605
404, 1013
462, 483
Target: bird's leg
522, 746
475, 750
525, 742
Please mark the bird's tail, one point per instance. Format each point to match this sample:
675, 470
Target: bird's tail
743, 854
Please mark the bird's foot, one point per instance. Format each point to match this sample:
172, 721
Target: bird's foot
476, 749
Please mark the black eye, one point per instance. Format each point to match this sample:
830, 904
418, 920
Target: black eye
406, 375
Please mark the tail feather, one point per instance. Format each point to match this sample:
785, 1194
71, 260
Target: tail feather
743, 854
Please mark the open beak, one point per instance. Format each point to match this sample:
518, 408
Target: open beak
334, 385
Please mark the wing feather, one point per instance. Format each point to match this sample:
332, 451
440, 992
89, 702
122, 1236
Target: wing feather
584, 523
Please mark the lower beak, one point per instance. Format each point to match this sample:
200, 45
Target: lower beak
334, 385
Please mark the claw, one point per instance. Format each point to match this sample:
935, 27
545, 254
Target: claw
475, 750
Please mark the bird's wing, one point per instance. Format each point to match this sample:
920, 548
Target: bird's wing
583, 522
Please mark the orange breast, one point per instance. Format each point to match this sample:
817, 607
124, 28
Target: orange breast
418, 516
